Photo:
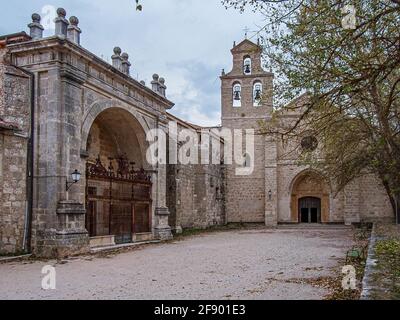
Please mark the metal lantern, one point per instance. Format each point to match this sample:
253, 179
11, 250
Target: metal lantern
76, 177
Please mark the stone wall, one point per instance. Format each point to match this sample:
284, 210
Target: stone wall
14, 109
364, 199
195, 195
245, 195
74, 88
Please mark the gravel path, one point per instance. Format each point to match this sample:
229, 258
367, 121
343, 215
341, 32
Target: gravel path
246, 264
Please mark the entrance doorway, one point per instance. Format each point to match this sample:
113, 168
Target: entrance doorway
118, 189
310, 210
118, 202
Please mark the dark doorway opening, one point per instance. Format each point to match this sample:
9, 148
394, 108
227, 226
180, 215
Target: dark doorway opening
118, 201
310, 210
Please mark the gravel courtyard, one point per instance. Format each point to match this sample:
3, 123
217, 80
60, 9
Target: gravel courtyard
242, 264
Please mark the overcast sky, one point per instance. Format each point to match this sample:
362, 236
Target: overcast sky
186, 41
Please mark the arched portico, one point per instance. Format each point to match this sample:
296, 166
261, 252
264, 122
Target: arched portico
118, 189
309, 198
96, 109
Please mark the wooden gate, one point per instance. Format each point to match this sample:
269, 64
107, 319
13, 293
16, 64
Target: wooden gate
118, 201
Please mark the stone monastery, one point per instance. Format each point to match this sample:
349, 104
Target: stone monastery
73, 169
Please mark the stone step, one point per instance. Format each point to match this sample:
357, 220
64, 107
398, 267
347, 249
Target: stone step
313, 226
120, 246
14, 258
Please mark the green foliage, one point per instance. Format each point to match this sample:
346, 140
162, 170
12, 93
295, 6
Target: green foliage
388, 262
389, 247
139, 7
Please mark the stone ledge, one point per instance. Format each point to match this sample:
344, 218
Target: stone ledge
121, 246
70, 207
16, 258
369, 267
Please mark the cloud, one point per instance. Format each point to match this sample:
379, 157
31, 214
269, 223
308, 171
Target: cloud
196, 92
187, 42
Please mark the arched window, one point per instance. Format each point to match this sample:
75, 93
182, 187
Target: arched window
237, 95
257, 94
247, 65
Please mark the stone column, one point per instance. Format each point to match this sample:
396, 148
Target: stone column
163, 87
61, 24
117, 59
74, 32
162, 229
126, 65
271, 183
155, 84
60, 214
36, 29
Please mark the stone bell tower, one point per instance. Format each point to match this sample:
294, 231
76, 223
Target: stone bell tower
246, 94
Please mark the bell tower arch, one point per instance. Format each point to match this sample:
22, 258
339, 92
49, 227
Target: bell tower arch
246, 93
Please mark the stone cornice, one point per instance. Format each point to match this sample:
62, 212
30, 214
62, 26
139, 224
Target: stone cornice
251, 77
64, 45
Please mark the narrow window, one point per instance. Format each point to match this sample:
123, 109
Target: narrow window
237, 95
257, 94
247, 66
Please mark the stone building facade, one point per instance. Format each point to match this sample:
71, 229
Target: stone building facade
14, 139
196, 192
64, 110
281, 189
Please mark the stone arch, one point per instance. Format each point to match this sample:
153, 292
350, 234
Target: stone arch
98, 107
312, 184
131, 118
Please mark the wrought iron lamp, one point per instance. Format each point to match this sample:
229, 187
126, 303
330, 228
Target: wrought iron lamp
76, 177
270, 195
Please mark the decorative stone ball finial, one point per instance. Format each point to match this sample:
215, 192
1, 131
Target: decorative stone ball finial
155, 77
36, 18
143, 83
61, 12
74, 21
117, 51
162, 80
125, 56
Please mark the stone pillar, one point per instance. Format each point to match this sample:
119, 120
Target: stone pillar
117, 59
155, 84
126, 65
36, 29
74, 32
60, 214
163, 87
61, 24
162, 231
271, 182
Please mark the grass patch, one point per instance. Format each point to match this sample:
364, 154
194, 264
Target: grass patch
361, 239
388, 265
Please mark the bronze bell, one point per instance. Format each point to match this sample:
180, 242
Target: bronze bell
237, 95
247, 68
258, 94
